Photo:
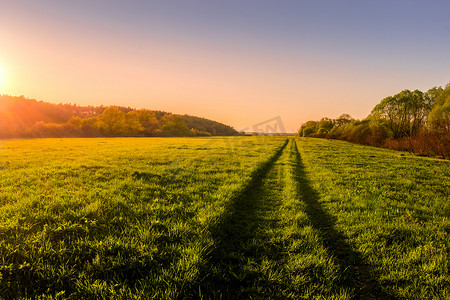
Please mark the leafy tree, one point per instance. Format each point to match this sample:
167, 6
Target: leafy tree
112, 122
196, 132
89, 128
324, 125
75, 122
433, 96
18, 115
132, 126
147, 119
173, 125
360, 132
308, 128
439, 117
404, 112
343, 119
213, 127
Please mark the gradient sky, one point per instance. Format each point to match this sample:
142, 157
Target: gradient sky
239, 62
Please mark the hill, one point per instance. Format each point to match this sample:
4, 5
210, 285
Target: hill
21, 117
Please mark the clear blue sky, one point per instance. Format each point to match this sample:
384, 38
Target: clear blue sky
238, 62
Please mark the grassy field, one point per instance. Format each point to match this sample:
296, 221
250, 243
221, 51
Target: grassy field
238, 217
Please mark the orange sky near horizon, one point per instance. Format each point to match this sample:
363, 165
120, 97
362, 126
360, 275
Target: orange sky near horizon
237, 79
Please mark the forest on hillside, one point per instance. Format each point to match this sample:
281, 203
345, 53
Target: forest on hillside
21, 117
413, 121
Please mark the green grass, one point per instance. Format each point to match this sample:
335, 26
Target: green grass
105, 218
393, 209
239, 217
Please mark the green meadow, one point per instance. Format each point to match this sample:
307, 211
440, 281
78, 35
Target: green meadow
221, 218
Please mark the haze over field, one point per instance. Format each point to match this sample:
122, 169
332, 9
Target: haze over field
237, 62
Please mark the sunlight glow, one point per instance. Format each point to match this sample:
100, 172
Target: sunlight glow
1, 77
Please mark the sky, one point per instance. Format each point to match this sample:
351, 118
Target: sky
239, 62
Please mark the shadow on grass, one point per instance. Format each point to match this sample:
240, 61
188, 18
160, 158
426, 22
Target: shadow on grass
228, 273
355, 272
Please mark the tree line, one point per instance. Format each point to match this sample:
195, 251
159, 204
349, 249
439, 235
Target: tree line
413, 121
21, 117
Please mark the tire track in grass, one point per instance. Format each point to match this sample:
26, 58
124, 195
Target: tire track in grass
356, 272
265, 246
228, 273
275, 241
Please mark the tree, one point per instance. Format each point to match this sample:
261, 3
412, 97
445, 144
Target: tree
419, 110
324, 125
111, 122
75, 122
132, 126
404, 112
343, 119
173, 125
308, 128
89, 128
433, 96
148, 121
439, 117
